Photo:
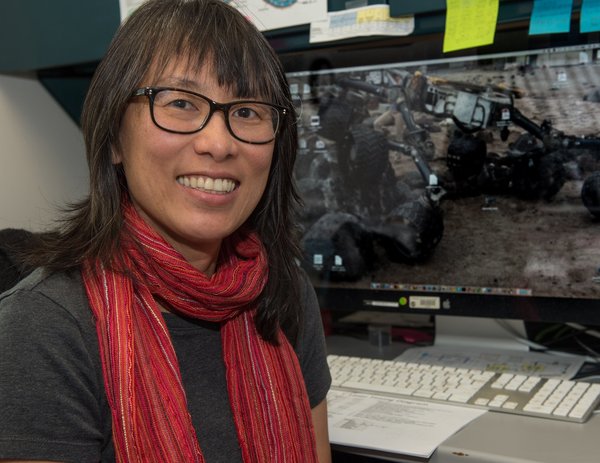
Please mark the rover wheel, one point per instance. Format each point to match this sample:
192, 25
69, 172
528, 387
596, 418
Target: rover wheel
539, 179
336, 247
369, 152
412, 231
466, 156
335, 118
371, 176
590, 194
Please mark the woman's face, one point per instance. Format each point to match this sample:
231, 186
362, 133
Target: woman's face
159, 165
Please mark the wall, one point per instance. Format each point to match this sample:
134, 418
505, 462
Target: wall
42, 160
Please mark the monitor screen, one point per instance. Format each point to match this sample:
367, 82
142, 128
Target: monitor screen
462, 186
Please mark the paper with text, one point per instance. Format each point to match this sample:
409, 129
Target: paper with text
126, 7
275, 14
356, 22
390, 424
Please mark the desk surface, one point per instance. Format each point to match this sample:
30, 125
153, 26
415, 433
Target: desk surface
497, 437
500, 437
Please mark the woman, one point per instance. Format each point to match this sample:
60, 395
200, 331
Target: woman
160, 325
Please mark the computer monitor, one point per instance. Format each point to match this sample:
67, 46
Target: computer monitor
463, 186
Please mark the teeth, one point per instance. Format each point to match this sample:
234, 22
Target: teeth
219, 185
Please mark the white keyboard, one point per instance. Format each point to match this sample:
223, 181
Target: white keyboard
511, 393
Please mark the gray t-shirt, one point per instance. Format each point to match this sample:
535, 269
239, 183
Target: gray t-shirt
52, 400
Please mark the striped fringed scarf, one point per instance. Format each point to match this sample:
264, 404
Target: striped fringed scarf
150, 418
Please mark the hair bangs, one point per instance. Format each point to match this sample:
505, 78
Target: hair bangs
214, 34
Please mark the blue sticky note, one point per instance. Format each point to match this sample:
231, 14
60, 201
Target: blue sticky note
550, 17
589, 20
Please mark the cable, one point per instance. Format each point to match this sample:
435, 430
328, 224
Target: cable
558, 333
585, 347
542, 348
584, 329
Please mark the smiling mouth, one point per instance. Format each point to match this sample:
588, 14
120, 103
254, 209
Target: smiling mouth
211, 185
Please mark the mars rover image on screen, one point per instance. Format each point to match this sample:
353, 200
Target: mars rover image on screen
482, 172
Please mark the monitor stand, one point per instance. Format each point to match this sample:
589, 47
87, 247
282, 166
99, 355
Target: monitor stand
480, 333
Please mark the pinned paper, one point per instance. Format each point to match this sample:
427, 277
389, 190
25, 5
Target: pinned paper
363, 21
550, 17
470, 23
267, 15
126, 7
589, 20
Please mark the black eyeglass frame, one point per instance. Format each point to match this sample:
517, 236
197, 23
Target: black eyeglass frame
151, 93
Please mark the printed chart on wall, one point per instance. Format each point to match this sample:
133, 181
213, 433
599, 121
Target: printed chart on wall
363, 21
275, 14
126, 7
265, 14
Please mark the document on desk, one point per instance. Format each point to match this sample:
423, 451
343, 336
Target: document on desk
498, 361
391, 424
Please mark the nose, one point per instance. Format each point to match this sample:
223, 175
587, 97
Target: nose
214, 139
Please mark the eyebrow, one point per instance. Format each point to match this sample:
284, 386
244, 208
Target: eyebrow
180, 82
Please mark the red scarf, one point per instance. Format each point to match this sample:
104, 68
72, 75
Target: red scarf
150, 418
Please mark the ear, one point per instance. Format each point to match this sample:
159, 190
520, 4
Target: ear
115, 156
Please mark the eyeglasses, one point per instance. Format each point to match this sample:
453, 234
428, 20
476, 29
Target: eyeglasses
185, 112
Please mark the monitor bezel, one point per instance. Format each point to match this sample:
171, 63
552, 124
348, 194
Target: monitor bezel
509, 41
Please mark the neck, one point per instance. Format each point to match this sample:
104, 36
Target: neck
203, 258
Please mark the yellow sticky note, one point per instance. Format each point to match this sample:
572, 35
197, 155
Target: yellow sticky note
376, 14
372, 15
470, 23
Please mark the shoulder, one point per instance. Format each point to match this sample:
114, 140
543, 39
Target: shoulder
53, 285
309, 305
45, 297
310, 344
50, 362
12, 241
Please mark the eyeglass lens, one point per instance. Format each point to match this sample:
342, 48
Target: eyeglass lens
184, 112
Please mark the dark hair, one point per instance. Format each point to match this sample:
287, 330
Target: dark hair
203, 32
